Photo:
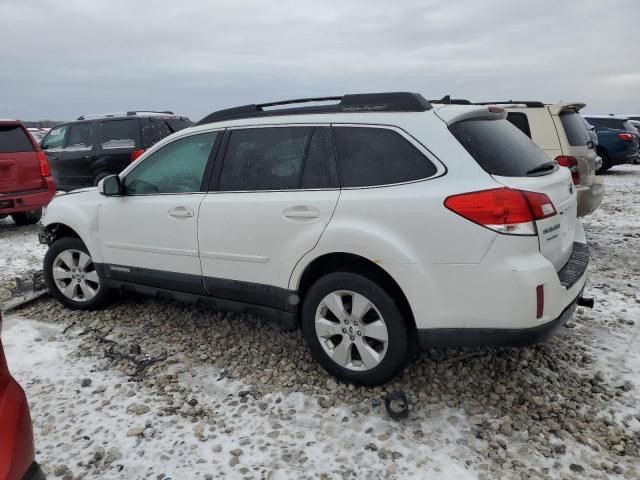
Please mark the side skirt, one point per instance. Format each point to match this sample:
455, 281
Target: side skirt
288, 320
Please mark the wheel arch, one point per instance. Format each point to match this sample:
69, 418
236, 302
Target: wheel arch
350, 262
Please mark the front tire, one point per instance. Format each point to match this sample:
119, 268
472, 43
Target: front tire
30, 217
71, 276
354, 329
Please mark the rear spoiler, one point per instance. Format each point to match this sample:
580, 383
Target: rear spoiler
451, 114
566, 107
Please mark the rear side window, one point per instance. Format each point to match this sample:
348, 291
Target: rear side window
154, 130
521, 121
80, 137
574, 129
499, 147
279, 158
371, 156
118, 133
14, 139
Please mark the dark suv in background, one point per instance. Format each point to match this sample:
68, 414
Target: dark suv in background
83, 152
617, 140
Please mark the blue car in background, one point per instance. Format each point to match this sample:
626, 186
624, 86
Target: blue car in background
618, 140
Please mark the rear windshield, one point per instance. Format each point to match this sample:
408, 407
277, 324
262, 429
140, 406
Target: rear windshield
604, 123
499, 147
14, 139
574, 129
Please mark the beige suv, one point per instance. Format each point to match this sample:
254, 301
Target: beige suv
559, 130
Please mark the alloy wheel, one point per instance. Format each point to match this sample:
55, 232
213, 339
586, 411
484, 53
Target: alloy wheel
351, 330
75, 275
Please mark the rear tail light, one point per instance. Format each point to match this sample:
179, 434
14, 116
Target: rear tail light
136, 153
627, 137
572, 164
45, 171
503, 210
539, 301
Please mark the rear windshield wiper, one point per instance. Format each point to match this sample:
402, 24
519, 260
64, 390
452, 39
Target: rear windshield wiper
545, 167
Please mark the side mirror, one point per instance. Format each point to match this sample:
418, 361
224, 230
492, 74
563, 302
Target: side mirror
110, 186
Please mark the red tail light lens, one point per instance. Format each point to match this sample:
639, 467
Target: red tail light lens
503, 210
136, 153
627, 137
45, 171
572, 164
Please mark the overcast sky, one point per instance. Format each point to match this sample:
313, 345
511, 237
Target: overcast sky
60, 59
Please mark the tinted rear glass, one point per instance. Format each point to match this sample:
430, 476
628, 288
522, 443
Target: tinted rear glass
14, 139
119, 133
378, 156
574, 129
499, 147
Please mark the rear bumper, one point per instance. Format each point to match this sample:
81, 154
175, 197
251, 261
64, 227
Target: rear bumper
30, 200
496, 337
590, 198
34, 473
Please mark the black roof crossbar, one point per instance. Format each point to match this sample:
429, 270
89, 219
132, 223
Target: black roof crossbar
361, 102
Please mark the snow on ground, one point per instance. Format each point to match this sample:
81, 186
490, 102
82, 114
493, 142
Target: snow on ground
73, 422
238, 397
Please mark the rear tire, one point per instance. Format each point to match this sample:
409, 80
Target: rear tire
71, 276
365, 341
29, 217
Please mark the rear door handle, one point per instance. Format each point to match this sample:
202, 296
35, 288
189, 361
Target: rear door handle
301, 211
180, 212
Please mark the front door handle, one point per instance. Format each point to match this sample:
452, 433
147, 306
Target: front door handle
180, 212
301, 211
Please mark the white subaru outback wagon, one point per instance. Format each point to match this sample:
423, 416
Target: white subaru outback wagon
379, 223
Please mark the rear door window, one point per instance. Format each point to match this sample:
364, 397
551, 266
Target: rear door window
80, 137
574, 128
521, 121
499, 147
13, 138
370, 156
119, 133
55, 138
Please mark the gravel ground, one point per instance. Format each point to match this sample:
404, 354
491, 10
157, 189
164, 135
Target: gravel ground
156, 389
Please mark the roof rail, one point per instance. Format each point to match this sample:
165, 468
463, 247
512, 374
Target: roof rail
99, 115
361, 102
135, 112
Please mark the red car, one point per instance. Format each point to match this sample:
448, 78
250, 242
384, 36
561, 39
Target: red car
26, 184
17, 460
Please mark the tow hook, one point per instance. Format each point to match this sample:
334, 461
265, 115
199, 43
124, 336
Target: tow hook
586, 302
